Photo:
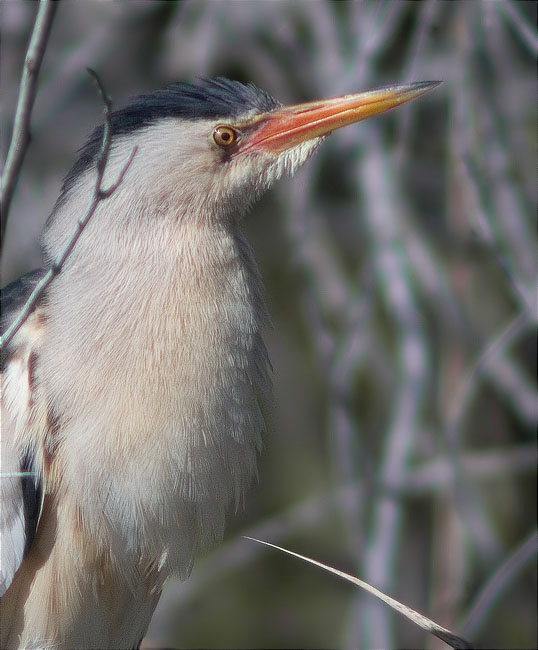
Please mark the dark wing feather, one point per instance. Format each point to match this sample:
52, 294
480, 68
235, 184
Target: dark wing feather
20, 486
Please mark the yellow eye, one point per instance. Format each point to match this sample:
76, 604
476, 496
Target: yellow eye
224, 136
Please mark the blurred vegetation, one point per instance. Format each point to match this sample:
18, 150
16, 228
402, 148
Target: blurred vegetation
400, 268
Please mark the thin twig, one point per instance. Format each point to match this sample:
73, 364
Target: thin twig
385, 210
21, 127
523, 29
423, 622
500, 579
99, 194
467, 387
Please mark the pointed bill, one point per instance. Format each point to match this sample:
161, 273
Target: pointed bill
286, 127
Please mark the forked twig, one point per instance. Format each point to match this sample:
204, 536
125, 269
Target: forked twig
99, 194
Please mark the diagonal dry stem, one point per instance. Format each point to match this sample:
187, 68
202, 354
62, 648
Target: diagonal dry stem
100, 194
420, 620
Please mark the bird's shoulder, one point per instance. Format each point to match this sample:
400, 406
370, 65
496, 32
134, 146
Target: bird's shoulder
13, 297
20, 480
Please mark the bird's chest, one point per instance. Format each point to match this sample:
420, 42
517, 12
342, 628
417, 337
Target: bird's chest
161, 418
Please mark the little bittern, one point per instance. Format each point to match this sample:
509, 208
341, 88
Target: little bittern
131, 395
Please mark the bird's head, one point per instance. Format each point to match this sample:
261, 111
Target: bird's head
207, 151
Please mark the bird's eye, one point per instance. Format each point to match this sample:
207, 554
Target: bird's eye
224, 136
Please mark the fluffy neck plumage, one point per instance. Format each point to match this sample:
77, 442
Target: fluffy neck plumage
153, 365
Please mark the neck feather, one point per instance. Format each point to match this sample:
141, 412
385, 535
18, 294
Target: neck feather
154, 366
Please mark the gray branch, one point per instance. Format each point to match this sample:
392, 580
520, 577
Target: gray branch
21, 127
100, 194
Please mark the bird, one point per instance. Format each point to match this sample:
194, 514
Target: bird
133, 394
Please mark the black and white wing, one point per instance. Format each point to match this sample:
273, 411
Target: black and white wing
20, 479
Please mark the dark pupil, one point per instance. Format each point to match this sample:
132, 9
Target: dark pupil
225, 136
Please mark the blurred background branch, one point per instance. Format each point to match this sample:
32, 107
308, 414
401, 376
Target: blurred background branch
401, 269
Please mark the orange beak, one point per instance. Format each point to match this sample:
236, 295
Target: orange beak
286, 127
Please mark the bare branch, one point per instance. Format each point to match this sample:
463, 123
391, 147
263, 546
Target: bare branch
100, 194
385, 207
500, 579
466, 389
21, 127
524, 30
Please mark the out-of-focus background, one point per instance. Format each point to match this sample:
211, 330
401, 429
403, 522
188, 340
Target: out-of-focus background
400, 267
